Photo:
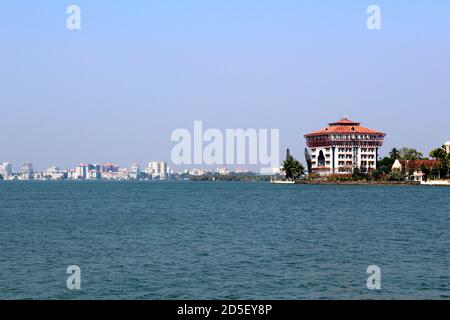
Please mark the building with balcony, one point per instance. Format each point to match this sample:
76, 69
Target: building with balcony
344, 146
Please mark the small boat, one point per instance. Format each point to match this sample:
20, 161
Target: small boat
282, 181
436, 183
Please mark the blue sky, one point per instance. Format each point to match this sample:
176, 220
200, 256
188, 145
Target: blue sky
116, 89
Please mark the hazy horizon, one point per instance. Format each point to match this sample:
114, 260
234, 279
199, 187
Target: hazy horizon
137, 70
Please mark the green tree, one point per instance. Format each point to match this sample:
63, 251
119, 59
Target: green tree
359, 174
440, 154
396, 175
447, 158
378, 174
410, 154
426, 172
394, 154
385, 165
292, 167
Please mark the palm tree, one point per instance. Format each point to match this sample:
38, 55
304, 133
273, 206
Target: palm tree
292, 167
410, 154
394, 154
440, 154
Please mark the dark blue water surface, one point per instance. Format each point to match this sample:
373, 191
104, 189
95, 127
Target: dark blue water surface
207, 240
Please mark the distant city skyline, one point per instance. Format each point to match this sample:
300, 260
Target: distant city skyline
156, 166
153, 170
137, 70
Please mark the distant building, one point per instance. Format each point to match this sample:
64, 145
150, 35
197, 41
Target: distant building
157, 169
344, 146
242, 170
93, 175
223, 171
413, 168
53, 169
72, 175
6, 170
120, 175
277, 170
107, 167
197, 172
52, 173
27, 171
81, 171
135, 171
447, 146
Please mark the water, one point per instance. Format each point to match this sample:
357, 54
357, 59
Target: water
146, 240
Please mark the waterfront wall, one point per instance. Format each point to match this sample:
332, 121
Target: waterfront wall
324, 182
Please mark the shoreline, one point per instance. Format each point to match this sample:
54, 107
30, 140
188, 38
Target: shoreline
360, 183
298, 182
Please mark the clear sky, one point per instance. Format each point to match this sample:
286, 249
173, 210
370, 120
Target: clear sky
116, 89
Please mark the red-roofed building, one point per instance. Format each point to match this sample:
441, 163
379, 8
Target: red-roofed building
413, 168
343, 146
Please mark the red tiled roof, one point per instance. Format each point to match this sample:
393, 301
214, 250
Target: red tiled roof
344, 126
345, 122
417, 164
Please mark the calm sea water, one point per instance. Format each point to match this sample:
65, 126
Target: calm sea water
146, 240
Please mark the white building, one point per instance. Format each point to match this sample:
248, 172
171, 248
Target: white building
6, 170
344, 146
81, 171
243, 170
157, 169
53, 169
447, 146
93, 175
27, 171
197, 172
277, 170
49, 175
135, 171
122, 174
52, 173
72, 175
223, 171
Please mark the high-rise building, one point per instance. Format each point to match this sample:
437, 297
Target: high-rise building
27, 171
53, 169
344, 146
135, 171
81, 171
157, 169
107, 167
5, 170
